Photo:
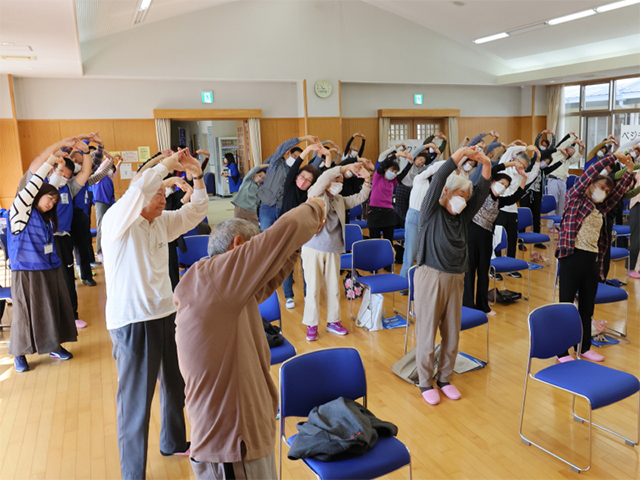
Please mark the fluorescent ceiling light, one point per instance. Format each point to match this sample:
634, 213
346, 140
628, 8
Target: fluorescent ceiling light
491, 38
613, 6
573, 16
528, 28
144, 5
142, 11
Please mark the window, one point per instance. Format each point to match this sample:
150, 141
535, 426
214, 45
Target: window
426, 129
398, 131
596, 110
413, 128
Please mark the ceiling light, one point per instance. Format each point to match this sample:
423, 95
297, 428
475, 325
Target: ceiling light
141, 13
529, 28
552, 81
19, 57
144, 5
613, 6
458, 4
573, 16
8, 43
491, 38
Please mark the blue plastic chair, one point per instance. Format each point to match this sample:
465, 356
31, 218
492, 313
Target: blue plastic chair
372, 255
355, 214
525, 220
605, 294
622, 231
618, 253
508, 265
398, 234
94, 232
196, 250
270, 311
552, 330
352, 234
314, 378
571, 180
548, 205
209, 183
470, 317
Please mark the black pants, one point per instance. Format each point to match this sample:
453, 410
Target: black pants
479, 244
146, 352
382, 232
634, 239
82, 242
64, 249
510, 223
579, 273
402, 203
533, 201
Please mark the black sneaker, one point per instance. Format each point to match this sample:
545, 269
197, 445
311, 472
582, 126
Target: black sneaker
62, 354
521, 247
20, 363
541, 246
498, 276
404, 293
90, 283
515, 274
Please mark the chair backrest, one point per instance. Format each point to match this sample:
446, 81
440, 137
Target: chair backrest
196, 249
209, 182
355, 212
315, 378
270, 308
372, 254
410, 276
548, 204
553, 329
571, 180
525, 219
503, 241
352, 234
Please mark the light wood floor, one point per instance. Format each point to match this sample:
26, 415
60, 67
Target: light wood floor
59, 420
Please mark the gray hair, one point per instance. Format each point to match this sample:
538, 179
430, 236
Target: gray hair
222, 235
458, 182
525, 157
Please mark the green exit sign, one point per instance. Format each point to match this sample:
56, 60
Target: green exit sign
417, 99
207, 97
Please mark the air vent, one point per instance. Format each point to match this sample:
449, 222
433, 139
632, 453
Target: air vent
21, 58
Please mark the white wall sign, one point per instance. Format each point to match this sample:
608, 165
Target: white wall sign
130, 156
629, 136
126, 172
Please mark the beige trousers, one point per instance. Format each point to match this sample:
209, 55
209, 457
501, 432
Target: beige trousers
260, 469
438, 304
321, 267
239, 212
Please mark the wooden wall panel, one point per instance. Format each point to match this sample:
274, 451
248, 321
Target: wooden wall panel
35, 136
326, 128
10, 165
369, 128
509, 128
274, 131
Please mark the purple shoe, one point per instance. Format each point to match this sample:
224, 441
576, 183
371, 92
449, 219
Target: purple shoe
312, 333
337, 328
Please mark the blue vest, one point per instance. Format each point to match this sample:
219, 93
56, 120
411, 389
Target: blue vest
65, 210
27, 248
103, 191
81, 200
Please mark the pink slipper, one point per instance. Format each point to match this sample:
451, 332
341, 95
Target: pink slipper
566, 358
593, 356
80, 324
634, 274
432, 397
452, 392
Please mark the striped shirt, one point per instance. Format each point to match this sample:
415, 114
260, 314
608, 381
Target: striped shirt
22, 206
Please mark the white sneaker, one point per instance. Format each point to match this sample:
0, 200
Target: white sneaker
290, 303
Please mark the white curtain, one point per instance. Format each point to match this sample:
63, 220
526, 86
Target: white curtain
383, 135
254, 139
453, 135
163, 133
555, 106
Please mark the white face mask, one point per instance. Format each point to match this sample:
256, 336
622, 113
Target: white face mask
633, 154
431, 150
389, 175
498, 188
598, 195
480, 150
77, 168
542, 148
335, 188
168, 191
354, 153
348, 174
604, 172
110, 174
600, 154
290, 161
467, 167
57, 180
457, 204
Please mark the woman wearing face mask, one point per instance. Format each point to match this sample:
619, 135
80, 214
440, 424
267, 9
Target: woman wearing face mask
450, 204
480, 240
234, 177
43, 317
321, 255
582, 241
246, 201
607, 146
296, 185
634, 221
353, 152
413, 168
103, 198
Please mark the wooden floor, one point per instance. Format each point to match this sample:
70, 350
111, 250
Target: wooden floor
58, 421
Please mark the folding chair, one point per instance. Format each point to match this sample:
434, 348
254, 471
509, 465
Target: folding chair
548, 205
525, 220
470, 318
314, 378
352, 234
355, 214
618, 253
571, 180
5, 294
622, 231
552, 330
270, 311
507, 265
196, 250
372, 255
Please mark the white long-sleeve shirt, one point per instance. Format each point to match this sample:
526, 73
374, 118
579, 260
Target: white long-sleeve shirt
561, 173
516, 178
136, 252
423, 179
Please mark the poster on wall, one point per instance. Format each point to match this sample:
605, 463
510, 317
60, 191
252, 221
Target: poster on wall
411, 145
115, 154
629, 136
126, 172
130, 156
144, 154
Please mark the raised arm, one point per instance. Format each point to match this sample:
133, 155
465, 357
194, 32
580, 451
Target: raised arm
87, 165
42, 157
102, 172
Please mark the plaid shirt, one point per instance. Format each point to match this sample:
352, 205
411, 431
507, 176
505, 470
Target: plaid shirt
578, 206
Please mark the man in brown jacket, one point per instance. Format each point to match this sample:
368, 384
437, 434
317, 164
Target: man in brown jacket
224, 357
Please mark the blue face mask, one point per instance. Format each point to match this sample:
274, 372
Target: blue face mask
390, 175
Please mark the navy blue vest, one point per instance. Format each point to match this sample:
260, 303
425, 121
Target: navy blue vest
81, 200
27, 248
65, 210
103, 191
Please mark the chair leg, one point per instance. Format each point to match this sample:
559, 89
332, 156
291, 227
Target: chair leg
406, 336
626, 320
528, 284
487, 341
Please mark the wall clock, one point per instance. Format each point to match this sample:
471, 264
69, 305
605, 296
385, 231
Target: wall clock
323, 88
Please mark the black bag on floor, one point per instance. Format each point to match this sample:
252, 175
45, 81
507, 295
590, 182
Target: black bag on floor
505, 297
274, 338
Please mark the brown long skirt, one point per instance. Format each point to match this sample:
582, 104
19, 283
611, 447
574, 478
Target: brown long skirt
43, 318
